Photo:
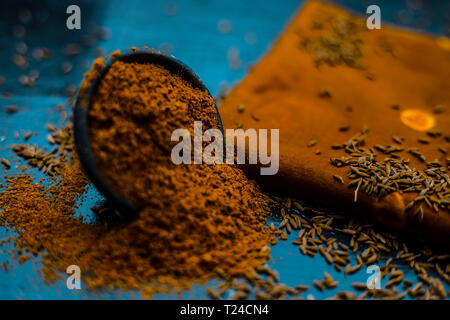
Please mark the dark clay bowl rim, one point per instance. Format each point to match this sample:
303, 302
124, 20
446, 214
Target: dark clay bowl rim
81, 119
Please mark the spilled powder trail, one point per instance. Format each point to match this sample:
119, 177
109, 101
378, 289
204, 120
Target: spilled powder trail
196, 222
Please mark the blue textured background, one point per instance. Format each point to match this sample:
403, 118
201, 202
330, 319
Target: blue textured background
190, 29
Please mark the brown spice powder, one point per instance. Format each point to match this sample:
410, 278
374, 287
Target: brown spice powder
197, 221
134, 112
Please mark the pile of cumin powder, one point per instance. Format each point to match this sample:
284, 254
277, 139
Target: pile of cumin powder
196, 222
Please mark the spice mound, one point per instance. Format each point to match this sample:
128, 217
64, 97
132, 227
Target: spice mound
134, 111
196, 221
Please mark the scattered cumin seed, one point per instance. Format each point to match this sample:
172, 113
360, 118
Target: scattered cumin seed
325, 93
312, 143
438, 109
5, 163
434, 133
301, 288
11, 109
318, 284
420, 214
398, 139
338, 178
423, 140
27, 135
406, 284
66, 67
336, 146
359, 286
212, 294
51, 127
50, 139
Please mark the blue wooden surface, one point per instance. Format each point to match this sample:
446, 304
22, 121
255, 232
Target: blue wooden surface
190, 29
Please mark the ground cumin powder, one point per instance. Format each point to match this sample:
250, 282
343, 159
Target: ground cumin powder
131, 128
196, 222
